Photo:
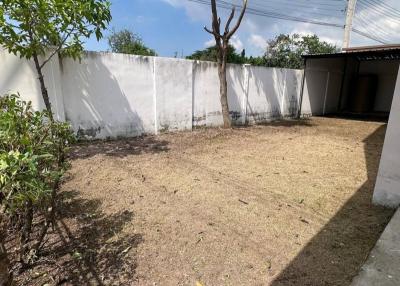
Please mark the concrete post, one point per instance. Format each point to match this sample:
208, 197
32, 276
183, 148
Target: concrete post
155, 96
246, 68
351, 7
387, 188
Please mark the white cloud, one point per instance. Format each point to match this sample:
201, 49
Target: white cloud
237, 43
209, 43
195, 11
258, 42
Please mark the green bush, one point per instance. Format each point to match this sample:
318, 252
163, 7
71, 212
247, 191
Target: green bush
32, 161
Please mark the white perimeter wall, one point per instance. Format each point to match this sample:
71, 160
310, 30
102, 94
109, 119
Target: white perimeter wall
19, 75
387, 188
116, 95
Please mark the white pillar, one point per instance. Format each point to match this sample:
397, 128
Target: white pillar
387, 188
246, 78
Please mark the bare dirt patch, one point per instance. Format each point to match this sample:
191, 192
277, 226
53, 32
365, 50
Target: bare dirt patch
283, 204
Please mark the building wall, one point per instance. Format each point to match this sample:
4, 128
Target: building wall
387, 188
322, 86
350, 72
387, 75
113, 95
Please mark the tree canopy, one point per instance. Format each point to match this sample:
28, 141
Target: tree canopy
127, 42
29, 27
34, 28
211, 53
285, 51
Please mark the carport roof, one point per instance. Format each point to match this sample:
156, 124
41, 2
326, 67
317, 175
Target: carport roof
367, 53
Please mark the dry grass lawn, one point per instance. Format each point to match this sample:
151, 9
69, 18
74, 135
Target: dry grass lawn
283, 204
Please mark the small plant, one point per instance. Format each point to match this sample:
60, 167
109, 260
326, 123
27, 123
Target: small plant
32, 162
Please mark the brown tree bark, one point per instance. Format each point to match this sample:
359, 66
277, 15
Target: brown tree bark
224, 88
222, 43
43, 88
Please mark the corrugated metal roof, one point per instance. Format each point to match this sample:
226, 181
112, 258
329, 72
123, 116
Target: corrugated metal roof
366, 53
372, 48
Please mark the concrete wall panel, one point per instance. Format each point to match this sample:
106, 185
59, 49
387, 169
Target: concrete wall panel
387, 188
109, 95
206, 102
19, 75
174, 87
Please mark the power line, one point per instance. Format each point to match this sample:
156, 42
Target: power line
272, 14
387, 6
368, 36
374, 21
379, 11
381, 7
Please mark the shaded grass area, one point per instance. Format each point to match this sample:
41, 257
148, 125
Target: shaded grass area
85, 247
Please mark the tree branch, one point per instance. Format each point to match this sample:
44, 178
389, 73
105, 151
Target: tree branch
230, 34
216, 22
57, 49
211, 32
228, 23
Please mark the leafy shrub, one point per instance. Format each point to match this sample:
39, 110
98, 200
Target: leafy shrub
32, 161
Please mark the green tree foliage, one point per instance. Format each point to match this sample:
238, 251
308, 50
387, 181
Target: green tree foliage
211, 54
127, 42
233, 57
32, 161
40, 29
285, 51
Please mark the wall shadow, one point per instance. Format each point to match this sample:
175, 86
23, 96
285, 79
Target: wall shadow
335, 255
288, 123
87, 246
119, 148
279, 92
94, 101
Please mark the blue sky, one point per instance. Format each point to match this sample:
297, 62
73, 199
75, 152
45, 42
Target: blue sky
176, 26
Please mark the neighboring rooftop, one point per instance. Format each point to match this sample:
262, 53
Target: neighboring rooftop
366, 53
372, 48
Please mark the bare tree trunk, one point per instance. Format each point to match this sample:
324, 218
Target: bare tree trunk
26, 231
43, 88
224, 89
5, 274
222, 44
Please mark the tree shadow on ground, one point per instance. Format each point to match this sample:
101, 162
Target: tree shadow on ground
119, 148
288, 123
86, 247
280, 123
335, 255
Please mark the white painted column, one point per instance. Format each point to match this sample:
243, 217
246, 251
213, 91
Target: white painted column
155, 96
246, 73
387, 188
